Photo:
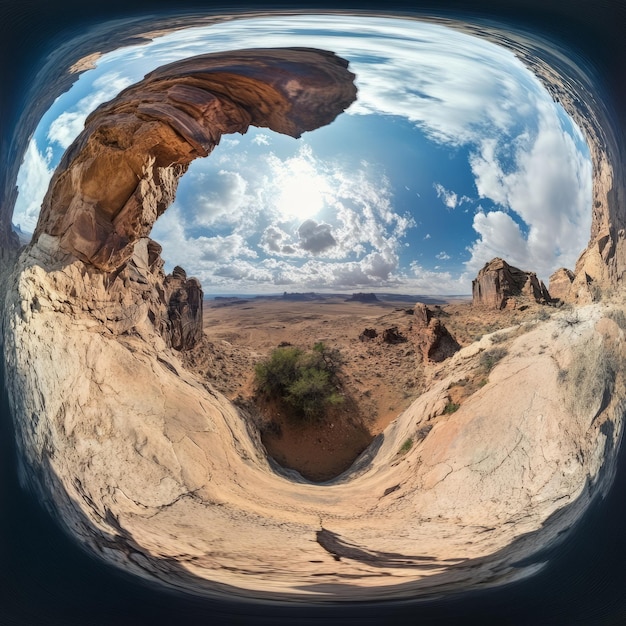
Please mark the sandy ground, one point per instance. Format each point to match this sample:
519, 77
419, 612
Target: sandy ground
379, 380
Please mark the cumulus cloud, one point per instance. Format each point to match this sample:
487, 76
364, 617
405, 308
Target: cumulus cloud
316, 237
442, 256
274, 241
261, 139
217, 199
65, 128
449, 198
32, 182
549, 187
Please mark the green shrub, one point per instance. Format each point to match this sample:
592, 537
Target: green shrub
406, 446
451, 407
306, 381
489, 358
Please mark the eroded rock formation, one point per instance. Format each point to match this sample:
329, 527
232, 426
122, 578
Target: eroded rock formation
432, 339
122, 171
560, 284
499, 285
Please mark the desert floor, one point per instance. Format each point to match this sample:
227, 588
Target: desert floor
378, 380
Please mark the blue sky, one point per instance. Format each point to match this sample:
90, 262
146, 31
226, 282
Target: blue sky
452, 154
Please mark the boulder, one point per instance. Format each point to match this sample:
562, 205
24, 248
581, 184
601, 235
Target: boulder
500, 285
393, 335
368, 333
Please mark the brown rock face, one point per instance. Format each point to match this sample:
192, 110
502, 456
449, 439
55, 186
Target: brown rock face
432, 339
184, 298
499, 284
561, 283
122, 171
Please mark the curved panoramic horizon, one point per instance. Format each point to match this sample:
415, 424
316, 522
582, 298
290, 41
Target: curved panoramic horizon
127, 419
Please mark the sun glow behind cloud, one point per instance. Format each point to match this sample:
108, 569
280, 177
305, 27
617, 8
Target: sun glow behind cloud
295, 218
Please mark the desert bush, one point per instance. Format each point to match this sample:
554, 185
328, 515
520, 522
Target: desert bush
543, 314
618, 316
592, 373
451, 407
406, 446
489, 358
306, 381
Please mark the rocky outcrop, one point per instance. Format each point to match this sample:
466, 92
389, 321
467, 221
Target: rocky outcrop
560, 284
499, 285
122, 171
432, 339
368, 333
392, 335
184, 307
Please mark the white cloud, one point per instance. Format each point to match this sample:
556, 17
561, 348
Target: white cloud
65, 128
442, 256
549, 187
261, 139
32, 181
449, 198
428, 282
218, 199
427, 236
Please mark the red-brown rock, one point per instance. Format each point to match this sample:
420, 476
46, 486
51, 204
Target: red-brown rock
499, 285
122, 171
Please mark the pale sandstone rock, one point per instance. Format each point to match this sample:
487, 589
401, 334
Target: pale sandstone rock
127, 443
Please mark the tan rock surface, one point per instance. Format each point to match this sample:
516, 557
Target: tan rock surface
561, 283
135, 450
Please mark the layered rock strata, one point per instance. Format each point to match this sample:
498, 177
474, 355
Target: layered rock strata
499, 285
122, 171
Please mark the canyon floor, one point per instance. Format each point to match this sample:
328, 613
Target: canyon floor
379, 380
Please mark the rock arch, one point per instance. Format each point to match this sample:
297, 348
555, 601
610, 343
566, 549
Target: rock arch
122, 171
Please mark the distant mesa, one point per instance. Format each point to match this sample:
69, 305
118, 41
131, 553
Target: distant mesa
500, 285
363, 297
300, 297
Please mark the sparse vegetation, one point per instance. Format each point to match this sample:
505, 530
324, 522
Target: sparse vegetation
543, 314
618, 316
451, 407
305, 381
592, 373
406, 446
489, 358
